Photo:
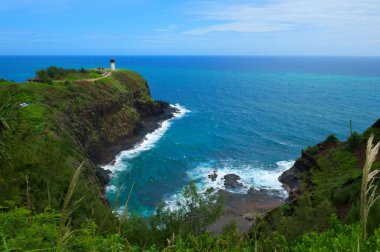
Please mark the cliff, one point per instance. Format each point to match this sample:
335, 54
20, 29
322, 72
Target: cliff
323, 163
325, 181
56, 126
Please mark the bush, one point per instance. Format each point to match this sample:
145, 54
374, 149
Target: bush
354, 141
82, 70
331, 139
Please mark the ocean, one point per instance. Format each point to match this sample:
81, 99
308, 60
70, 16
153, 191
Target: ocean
250, 116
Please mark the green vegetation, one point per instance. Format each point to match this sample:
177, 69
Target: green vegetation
48, 204
56, 73
63, 126
368, 191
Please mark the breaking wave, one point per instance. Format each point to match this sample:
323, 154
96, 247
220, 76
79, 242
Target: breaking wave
251, 175
147, 143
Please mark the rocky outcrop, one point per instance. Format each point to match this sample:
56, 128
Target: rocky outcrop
213, 176
376, 125
103, 175
231, 181
292, 178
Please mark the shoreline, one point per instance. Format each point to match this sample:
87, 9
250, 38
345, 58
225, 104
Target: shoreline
147, 125
241, 208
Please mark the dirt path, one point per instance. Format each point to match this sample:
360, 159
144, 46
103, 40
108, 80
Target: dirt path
104, 75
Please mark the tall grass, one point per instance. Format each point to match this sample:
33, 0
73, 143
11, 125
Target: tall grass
124, 213
6, 107
368, 189
68, 208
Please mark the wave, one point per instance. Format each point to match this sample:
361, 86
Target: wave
251, 175
146, 144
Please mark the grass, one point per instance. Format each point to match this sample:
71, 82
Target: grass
368, 190
64, 125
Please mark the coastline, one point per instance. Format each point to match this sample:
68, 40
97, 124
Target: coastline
240, 208
243, 209
147, 125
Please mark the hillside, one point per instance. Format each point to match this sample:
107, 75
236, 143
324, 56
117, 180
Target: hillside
324, 182
48, 129
56, 126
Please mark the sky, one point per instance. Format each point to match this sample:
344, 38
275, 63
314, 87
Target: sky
184, 27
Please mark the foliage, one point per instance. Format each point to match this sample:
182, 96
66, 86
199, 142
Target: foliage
338, 238
354, 141
57, 73
64, 125
6, 108
368, 191
23, 230
331, 139
4, 80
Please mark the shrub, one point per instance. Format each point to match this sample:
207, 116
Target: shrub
82, 70
331, 139
354, 141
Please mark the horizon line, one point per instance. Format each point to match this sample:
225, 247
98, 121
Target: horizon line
183, 55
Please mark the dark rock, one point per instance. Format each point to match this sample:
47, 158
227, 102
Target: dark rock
376, 125
231, 181
292, 178
103, 175
213, 176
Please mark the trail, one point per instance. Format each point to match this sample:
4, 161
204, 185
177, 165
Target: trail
104, 75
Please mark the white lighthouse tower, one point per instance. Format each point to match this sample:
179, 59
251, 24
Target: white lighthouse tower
112, 61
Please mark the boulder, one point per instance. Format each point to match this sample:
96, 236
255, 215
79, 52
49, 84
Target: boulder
231, 181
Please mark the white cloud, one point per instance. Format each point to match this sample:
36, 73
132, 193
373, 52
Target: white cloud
168, 28
287, 14
243, 26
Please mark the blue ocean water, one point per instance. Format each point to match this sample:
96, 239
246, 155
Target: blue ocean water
246, 115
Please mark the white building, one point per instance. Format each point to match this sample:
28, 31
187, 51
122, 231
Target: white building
112, 61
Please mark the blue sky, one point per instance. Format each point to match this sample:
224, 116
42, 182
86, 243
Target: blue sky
184, 27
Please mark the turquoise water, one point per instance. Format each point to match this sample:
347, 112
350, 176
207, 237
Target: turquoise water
246, 115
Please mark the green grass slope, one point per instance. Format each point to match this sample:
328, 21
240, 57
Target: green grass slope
63, 125
325, 182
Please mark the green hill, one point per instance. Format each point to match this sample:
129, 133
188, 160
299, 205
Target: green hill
53, 128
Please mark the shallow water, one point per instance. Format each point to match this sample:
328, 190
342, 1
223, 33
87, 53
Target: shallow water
246, 115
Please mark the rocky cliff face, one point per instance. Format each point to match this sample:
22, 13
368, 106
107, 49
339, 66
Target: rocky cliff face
114, 121
299, 177
292, 178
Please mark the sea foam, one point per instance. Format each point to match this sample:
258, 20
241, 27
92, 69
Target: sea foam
147, 143
251, 175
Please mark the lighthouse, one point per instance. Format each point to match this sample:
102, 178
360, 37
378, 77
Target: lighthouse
112, 61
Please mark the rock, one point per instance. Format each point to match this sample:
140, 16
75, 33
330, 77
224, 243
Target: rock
231, 181
103, 175
376, 125
292, 178
213, 176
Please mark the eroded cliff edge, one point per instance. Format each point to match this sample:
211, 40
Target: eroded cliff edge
58, 126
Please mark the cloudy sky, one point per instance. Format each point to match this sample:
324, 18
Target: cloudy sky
184, 27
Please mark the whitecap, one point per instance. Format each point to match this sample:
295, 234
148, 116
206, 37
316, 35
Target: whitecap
146, 144
251, 175
111, 188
